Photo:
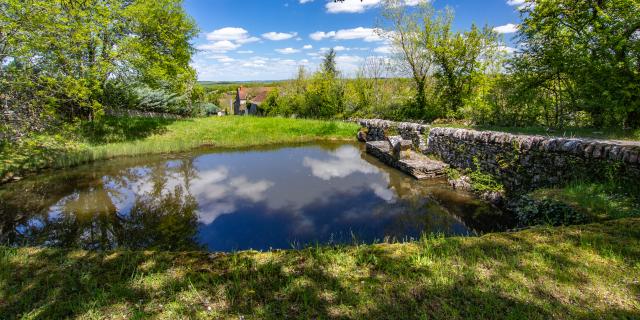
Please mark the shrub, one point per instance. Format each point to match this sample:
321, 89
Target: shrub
530, 211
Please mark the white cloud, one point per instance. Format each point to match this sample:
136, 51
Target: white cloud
507, 28
521, 4
245, 51
358, 6
277, 36
515, 2
340, 48
305, 1
319, 35
288, 50
384, 49
248, 40
366, 34
228, 33
227, 39
307, 47
219, 46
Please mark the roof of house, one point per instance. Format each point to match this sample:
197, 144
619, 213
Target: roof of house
256, 95
243, 92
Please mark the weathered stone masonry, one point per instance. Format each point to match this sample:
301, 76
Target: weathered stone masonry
520, 162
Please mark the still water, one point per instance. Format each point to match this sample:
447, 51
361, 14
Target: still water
277, 197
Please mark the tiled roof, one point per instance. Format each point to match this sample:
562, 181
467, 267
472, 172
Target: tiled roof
255, 95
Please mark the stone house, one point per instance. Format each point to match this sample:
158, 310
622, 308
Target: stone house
248, 100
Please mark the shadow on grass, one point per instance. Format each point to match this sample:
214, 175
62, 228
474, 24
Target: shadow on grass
123, 129
537, 274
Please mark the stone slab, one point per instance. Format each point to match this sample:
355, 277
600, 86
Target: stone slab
415, 164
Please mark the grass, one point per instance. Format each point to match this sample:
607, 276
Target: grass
598, 201
578, 272
605, 133
114, 137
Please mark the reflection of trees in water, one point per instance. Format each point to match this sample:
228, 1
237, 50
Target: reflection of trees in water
78, 210
168, 222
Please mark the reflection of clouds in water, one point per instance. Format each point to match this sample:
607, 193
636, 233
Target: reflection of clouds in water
253, 191
207, 186
345, 161
383, 192
214, 211
217, 193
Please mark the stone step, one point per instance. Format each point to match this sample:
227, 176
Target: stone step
410, 162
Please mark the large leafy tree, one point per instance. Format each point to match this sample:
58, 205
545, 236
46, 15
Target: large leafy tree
63, 53
586, 54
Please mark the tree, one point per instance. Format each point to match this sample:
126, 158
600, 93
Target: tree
460, 59
585, 57
329, 63
64, 53
407, 36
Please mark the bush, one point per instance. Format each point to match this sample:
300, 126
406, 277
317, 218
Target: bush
208, 108
530, 211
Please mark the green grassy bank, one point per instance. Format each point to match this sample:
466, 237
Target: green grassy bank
112, 137
578, 272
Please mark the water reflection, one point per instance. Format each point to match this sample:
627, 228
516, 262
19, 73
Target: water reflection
234, 200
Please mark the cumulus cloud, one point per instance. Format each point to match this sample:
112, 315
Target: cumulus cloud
521, 4
359, 6
288, 50
219, 46
507, 28
305, 1
227, 39
515, 2
277, 36
366, 34
384, 49
319, 35
307, 47
228, 33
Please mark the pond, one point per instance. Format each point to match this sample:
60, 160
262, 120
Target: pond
226, 200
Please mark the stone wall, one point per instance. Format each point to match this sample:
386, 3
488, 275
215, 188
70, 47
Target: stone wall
379, 130
140, 114
523, 162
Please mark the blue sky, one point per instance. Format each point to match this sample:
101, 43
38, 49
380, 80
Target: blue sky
269, 39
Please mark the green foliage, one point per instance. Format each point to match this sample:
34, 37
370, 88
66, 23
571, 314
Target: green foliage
208, 108
595, 200
482, 181
540, 273
159, 100
72, 58
427, 46
533, 212
453, 173
581, 56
